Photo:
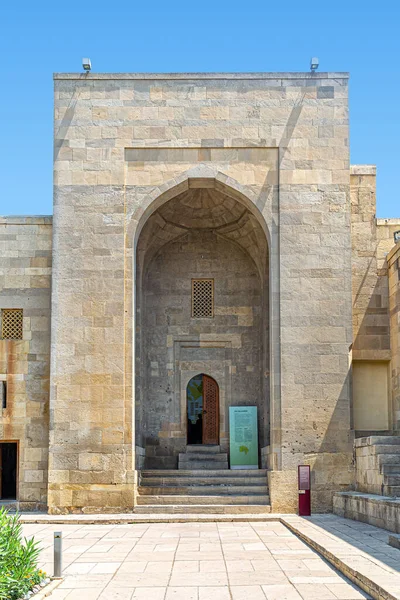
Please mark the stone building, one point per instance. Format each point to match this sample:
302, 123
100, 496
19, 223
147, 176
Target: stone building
210, 247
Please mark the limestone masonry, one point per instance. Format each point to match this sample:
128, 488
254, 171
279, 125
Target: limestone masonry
208, 230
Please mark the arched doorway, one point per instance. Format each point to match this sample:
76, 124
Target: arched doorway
202, 395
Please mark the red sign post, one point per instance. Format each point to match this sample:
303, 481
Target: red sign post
304, 479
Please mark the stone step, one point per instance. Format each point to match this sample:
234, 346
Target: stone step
165, 499
201, 480
391, 490
203, 464
199, 448
195, 473
374, 440
389, 459
205, 490
230, 509
196, 456
387, 449
391, 469
391, 480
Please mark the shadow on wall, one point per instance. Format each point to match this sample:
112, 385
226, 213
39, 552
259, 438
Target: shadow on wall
61, 132
332, 465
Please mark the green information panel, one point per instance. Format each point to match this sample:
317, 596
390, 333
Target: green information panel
243, 437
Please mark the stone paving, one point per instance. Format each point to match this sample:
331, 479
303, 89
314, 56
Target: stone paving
190, 561
360, 550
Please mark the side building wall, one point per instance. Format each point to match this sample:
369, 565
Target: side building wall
394, 306
372, 239
25, 279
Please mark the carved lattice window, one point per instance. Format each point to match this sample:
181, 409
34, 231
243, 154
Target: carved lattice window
11, 323
202, 298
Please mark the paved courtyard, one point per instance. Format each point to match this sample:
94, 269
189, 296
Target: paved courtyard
190, 561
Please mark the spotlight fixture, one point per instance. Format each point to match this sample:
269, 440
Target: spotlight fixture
314, 64
86, 64
396, 236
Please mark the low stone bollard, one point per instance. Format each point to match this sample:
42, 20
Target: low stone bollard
58, 554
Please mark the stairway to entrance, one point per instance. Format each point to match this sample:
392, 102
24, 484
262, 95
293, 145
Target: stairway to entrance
388, 451
378, 464
203, 484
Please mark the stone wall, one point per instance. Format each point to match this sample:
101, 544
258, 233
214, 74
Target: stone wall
25, 277
372, 240
393, 261
242, 132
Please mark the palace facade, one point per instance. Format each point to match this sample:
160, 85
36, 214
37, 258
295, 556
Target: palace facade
210, 247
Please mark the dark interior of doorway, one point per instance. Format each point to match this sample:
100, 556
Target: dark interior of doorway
8, 470
203, 410
195, 410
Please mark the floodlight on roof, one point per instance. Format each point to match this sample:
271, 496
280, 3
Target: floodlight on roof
86, 64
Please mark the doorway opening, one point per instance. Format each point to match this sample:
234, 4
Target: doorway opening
8, 470
202, 395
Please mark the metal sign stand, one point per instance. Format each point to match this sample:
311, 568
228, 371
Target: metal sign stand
304, 488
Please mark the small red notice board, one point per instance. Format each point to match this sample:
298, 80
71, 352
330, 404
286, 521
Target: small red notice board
304, 487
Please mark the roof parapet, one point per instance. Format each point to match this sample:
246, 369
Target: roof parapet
362, 169
191, 76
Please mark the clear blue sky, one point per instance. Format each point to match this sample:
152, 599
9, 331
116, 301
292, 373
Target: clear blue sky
38, 38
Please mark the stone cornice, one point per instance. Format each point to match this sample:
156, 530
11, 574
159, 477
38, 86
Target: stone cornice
204, 76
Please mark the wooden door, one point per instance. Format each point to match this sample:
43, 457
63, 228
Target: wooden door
210, 411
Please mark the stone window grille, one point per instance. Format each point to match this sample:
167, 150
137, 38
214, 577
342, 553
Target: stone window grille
202, 298
11, 323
